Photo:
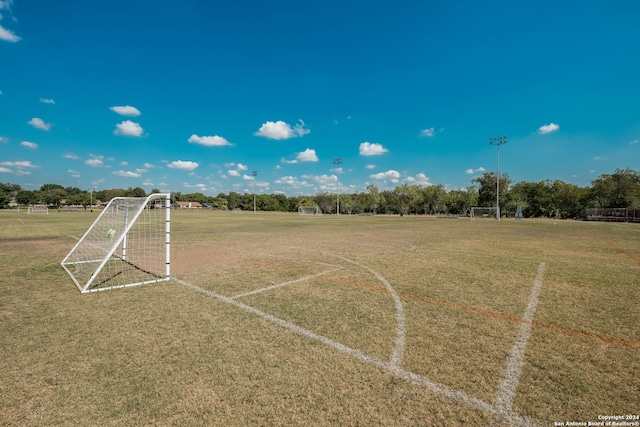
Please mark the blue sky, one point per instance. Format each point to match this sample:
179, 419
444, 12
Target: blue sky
194, 96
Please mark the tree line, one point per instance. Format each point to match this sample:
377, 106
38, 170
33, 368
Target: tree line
557, 199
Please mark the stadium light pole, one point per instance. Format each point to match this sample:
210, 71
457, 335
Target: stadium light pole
498, 141
254, 174
337, 161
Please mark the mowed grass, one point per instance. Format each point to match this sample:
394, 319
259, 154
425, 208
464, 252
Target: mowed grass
167, 354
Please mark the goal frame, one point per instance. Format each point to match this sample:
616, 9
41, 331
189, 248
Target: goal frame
37, 209
315, 210
491, 212
104, 250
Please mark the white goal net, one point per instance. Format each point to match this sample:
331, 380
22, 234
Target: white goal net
483, 213
309, 210
38, 209
127, 245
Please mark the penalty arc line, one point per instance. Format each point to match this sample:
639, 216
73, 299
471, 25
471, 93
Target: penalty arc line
441, 389
398, 348
507, 392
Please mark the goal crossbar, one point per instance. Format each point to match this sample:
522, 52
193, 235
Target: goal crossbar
127, 245
478, 212
309, 210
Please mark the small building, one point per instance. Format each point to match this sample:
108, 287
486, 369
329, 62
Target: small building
188, 205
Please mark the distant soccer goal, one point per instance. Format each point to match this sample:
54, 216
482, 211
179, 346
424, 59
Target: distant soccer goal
483, 213
309, 210
38, 209
127, 245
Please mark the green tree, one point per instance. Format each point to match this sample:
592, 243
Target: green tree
620, 189
26, 197
487, 189
326, 202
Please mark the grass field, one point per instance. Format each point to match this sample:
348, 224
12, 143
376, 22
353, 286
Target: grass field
280, 319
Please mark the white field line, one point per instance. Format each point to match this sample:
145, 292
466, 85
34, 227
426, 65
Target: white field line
441, 389
507, 392
398, 348
292, 282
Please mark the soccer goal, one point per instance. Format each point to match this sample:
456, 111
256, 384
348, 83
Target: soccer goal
483, 213
38, 209
309, 210
127, 245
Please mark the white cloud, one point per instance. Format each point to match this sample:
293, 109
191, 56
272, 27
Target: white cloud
73, 173
233, 172
419, 179
47, 101
127, 174
390, 175
19, 164
124, 163
293, 182
288, 162
369, 149
280, 130
95, 161
325, 181
29, 145
183, 165
149, 166
70, 156
38, 123
635, 141
551, 127
248, 177
370, 166
3, 140
307, 155
209, 141
427, 132
4, 33
126, 110
472, 171
8, 36
128, 128
242, 167
5, 170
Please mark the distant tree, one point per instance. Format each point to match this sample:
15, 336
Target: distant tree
26, 197
234, 200
487, 189
460, 201
82, 199
135, 192
5, 198
72, 190
220, 203
620, 189
326, 202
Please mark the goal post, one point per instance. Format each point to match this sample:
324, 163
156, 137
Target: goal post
127, 245
309, 210
478, 212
